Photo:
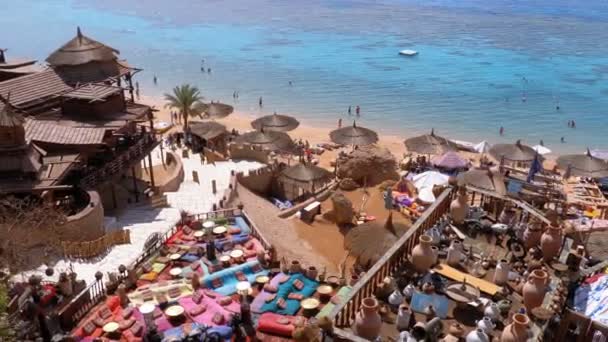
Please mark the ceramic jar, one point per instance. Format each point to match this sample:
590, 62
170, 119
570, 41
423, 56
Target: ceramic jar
532, 236
435, 235
454, 253
312, 273
295, 267
459, 208
535, 288
501, 274
517, 331
368, 321
486, 325
404, 317
422, 254
551, 242
492, 311
353, 279
396, 298
477, 335
408, 291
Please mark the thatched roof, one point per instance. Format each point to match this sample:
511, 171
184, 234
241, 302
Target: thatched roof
429, 144
207, 129
450, 160
81, 50
513, 152
305, 173
584, 165
217, 110
353, 135
483, 179
276, 122
268, 140
8, 115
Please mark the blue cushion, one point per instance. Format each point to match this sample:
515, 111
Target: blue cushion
240, 222
292, 307
229, 280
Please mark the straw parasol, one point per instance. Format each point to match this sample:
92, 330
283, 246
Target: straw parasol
353, 135
81, 50
450, 160
584, 165
514, 152
369, 241
305, 173
268, 140
276, 122
216, 110
429, 144
207, 129
483, 179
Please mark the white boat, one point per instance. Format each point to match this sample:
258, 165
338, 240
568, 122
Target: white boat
408, 53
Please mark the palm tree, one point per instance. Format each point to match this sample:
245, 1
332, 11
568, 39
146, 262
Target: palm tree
187, 100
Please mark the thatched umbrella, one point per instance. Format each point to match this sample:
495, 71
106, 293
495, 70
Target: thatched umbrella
216, 110
353, 135
483, 179
207, 129
268, 140
430, 144
450, 160
584, 165
82, 50
369, 241
305, 173
276, 122
517, 152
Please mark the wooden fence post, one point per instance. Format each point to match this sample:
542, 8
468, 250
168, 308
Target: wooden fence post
195, 176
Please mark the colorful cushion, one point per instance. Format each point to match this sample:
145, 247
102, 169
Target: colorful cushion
209, 293
105, 313
147, 296
281, 303
295, 296
162, 260
283, 320
249, 245
161, 298
298, 284
157, 313
195, 266
223, 301
256, 268
217, 282
187, 230
150, 276
218, 318
197, 310
240, 276
137, 329
284, 278
99, 322
126, 324
234, 230
89, 328
175, 292
215, 268
270, 288
126, 313
271, 298
197, 297
147, 267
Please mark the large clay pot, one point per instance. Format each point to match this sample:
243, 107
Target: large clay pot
454, 253
368, 321
459, 208
501, 274
551, 242
532, 236
422, 254
477, 335
535, 288
517, 331
486, 325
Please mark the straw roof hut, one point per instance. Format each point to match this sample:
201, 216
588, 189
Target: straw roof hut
369, 241
82, 50
353, 135
517, 152
430, 144
451, 161
276, 122
267, 140
302, 178
584, 165
483, 179
217, 110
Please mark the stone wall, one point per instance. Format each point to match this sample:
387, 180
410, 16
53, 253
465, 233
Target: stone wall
248, 152
259, 181
87, 224
175, 174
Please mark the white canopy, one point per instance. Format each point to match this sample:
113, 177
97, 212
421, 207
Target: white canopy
482, 147
541, 149
425, 181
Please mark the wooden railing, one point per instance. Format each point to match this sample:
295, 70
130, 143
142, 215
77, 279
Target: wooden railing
144, 145
344, 313
89, 249
80, 305
483, 197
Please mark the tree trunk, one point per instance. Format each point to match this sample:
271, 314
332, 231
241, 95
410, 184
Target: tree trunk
185, 115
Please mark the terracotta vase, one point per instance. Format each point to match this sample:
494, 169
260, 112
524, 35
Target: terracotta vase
501, 274
422, 254
551, 242
295, 267
532, 236
454, 253
535, 288
459, 208
517, 331
312, 273
368, 321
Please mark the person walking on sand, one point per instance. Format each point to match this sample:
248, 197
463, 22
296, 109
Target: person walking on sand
261, 102
349, 110
155, 79
501, 131
340, 123
358, 110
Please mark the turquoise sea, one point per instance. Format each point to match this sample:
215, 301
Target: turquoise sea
477, 60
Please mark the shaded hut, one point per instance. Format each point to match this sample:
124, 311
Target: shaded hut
450, 161
216, 110
483, 179
297, 181
208, 134
518, 153
267, 140
369, 241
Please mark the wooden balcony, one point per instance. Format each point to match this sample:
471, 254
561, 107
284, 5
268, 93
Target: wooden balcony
124, 161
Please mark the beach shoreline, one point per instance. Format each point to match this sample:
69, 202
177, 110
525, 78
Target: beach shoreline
241, 121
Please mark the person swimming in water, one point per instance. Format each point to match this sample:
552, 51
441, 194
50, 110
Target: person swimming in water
501, 131
261, 102
349, 110
563, 140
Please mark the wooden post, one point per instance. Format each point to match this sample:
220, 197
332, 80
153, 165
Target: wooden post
134, 184
195, 176
213, 186
151, 169
114, 202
